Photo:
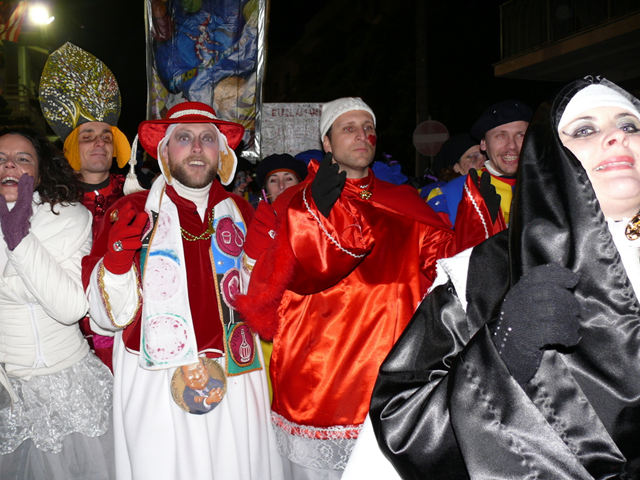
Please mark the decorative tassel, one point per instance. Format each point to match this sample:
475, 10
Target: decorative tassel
131, 184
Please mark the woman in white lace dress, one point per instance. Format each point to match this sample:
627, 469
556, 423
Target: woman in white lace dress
55, 397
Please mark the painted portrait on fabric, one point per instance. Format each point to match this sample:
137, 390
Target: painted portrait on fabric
198, 388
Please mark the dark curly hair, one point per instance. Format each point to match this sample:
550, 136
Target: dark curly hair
58, 183
448, 173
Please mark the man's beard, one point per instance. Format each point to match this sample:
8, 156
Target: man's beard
179, 173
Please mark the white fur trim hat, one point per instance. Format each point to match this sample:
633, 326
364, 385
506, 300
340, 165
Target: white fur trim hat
332, 110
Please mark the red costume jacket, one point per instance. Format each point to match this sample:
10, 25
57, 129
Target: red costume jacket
202, 291
98, 202
335, 293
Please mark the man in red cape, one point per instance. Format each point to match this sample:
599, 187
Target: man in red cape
351, 259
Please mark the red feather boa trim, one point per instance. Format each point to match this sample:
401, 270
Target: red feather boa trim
271, 276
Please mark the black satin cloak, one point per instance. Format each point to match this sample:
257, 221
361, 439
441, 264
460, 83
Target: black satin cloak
445, 405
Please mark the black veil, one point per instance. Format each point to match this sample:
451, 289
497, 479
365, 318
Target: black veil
445, 405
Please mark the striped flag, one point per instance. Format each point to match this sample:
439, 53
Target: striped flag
11, 17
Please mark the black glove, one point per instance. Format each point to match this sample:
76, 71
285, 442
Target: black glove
488, 192
327, 185
539, 312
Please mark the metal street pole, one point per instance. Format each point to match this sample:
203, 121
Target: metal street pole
422, 103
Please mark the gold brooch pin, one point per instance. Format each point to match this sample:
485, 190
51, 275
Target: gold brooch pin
633, 228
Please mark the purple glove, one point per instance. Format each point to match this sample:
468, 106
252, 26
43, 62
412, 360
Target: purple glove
15, 223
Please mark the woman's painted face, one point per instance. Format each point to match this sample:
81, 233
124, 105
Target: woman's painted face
606, 140
17, 157
278, 182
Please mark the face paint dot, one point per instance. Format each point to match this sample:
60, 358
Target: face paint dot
372, 139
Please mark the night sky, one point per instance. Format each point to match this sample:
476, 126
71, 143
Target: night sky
463, 43
375, 58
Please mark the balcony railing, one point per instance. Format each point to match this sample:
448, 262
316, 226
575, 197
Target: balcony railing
22, 107
529, 24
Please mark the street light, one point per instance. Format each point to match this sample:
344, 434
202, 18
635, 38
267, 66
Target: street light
39, 14
32, 40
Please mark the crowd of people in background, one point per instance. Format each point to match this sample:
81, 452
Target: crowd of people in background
319, 315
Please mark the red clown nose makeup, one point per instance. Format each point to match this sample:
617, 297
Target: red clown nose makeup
372, 140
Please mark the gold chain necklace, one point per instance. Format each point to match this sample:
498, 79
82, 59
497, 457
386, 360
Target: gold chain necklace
203, 236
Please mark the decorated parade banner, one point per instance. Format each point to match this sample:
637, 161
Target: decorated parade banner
209, 51
290, 127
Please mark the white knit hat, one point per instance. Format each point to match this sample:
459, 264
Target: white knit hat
332, 110
595, 96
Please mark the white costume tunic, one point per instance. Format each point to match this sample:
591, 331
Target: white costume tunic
155, 438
